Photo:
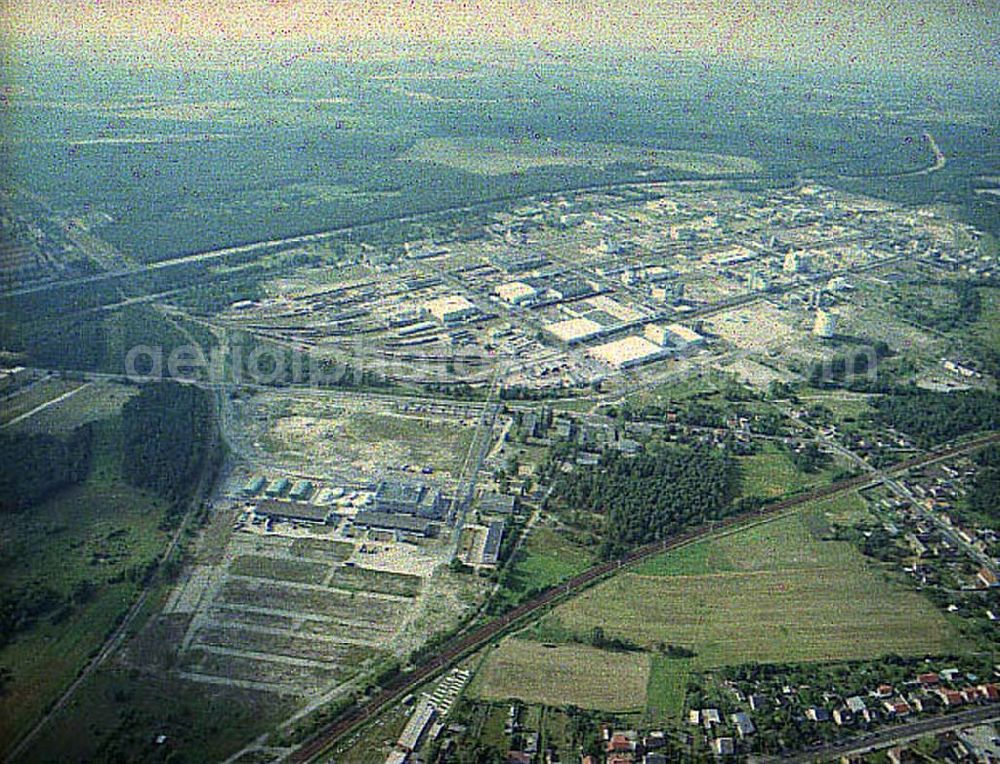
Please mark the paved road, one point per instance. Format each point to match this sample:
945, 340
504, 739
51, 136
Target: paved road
906, 495
894, 736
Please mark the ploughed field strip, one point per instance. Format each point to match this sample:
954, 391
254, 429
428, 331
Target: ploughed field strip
294, 617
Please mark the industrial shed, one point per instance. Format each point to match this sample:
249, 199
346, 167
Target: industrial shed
298, 511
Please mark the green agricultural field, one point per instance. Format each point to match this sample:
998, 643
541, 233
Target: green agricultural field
846, 509
769, 593
37, 395
666, 688
772, 473
564, 675
547, 558
103, 532
692, 560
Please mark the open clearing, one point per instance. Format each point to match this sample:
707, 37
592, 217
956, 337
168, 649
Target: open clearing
770, 593
564, 675
368, 440
547, 558
93, 533
38, 394
776, 594
772, 473
487, 156
99, 400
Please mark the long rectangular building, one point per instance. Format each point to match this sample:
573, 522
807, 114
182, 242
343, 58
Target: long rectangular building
628, 352
414, 730
293, 510
395, 522
491, 548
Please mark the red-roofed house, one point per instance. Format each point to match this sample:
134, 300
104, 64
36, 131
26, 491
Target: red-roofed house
990, 692
619, 743
897, 707
621, 758
929, 680
951, 698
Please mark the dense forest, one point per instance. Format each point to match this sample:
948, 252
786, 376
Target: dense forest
962, 309
34, 466
652, 496
932, 418
984, 494
165, 436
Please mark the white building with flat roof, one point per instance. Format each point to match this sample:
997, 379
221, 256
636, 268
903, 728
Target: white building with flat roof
573, 330
516, 292
628, 352
682, 335
657, 333
451, 309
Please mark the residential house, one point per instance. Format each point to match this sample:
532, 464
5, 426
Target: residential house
855, 704
621, 758
723, 746
743, 724
816, 714
897, 708
655, 740
987, 578
842, 717
951, 698
989, 692
622, 742
929, 680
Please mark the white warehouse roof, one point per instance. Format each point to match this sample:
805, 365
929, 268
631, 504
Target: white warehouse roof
628, 351
449, 308
690, 336
515, 292
574, 329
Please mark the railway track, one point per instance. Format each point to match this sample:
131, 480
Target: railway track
463, 644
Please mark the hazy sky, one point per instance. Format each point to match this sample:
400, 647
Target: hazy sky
953, 33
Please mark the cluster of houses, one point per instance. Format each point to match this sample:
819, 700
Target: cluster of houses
930, 691
938, 492
630, 747
427, 720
